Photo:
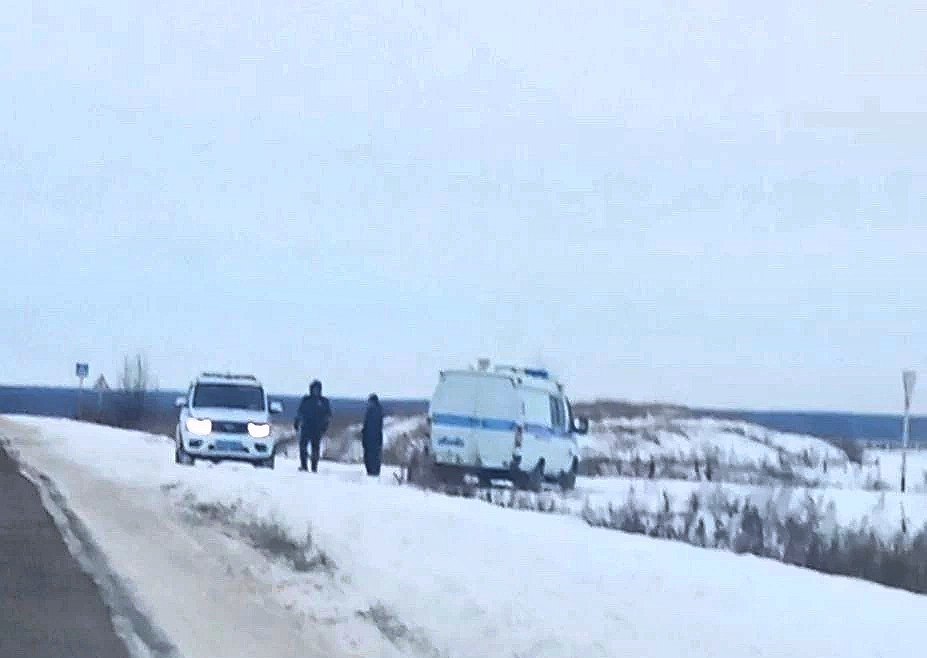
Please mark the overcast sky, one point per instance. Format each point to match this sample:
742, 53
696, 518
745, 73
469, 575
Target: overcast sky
720, 206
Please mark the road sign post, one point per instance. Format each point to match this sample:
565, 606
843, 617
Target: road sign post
81, 370
908, 379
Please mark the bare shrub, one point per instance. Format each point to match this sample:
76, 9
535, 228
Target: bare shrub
628, 517
875, 484
398, 633
750, 536
269, 537
266, 535
800, 538
854, 450
134, 384
400, 448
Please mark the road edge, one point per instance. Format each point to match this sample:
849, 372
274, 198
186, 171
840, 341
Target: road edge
142, 637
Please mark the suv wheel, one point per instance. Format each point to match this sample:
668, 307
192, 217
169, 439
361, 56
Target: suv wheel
181, 456
265, 463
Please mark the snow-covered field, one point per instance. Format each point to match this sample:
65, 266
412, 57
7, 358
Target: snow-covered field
411, 573
886, 466
682, 438
740, 452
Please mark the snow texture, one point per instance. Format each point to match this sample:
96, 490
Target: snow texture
396, 571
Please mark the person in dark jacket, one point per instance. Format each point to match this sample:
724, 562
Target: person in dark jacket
372, 436
312, 421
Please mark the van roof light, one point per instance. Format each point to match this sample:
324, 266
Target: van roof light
540, 373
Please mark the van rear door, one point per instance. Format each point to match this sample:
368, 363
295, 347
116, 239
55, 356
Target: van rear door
499, 411
453, 416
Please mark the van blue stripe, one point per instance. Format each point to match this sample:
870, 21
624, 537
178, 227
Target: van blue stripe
495, 424
454, 420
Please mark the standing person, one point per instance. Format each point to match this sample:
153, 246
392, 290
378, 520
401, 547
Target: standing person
372, 435
312, 421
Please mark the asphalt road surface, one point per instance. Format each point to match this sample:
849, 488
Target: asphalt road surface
49, 608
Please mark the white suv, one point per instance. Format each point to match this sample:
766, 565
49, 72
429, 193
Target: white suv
226, 417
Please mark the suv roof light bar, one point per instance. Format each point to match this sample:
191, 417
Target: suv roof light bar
228, 375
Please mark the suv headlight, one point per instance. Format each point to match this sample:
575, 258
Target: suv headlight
199, 426
259, 430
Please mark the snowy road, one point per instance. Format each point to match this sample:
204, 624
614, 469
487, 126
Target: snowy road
190, 580
408, 573
50, 606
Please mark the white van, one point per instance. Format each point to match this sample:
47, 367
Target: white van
504, 423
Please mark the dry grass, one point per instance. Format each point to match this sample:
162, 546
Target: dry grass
268, 536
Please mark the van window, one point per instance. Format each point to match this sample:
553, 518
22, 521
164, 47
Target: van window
537, 408
456, 394
557, 414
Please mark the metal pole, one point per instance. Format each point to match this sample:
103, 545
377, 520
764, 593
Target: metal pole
904, 448
80, 398
908, 378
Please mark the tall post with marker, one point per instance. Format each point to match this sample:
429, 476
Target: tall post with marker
81, 370
908, 378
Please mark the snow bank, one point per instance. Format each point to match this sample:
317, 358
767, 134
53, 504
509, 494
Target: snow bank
417, 573
739, 451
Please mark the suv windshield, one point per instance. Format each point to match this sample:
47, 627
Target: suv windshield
229, 396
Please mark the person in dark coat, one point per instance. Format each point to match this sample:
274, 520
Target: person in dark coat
372, 436
312, 421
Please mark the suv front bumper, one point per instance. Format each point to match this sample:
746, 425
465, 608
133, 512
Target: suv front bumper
228, 446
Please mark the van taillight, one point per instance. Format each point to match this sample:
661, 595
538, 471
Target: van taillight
519, 436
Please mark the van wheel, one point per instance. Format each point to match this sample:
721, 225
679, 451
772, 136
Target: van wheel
568, 478
265, 463
448, 475
532, 480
